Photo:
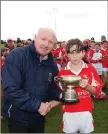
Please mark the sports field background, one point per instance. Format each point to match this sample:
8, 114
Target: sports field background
54, 118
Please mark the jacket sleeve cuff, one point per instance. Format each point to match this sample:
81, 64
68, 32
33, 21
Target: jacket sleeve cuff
37, 105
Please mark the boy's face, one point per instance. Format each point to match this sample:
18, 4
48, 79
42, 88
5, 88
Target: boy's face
97, 47
92, 44
19, 44
75, 56
63, 44
105, 45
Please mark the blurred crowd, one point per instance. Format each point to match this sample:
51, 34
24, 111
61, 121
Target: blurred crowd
11, 44
96, 53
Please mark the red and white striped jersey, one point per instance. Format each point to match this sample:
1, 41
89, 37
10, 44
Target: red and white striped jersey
84, 96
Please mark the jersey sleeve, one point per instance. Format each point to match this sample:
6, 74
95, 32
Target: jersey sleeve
95, 81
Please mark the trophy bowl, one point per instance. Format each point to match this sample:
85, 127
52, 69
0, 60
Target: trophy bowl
69, 82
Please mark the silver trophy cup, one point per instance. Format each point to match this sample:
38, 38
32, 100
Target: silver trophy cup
69, 82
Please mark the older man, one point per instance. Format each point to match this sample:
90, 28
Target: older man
28, 79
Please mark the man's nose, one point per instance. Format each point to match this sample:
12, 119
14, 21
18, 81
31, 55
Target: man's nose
46, 43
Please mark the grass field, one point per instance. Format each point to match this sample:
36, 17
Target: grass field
1, 45
54, 118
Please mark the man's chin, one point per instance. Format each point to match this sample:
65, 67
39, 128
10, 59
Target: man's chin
43, 54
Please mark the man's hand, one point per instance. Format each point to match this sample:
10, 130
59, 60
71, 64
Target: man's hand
44, 108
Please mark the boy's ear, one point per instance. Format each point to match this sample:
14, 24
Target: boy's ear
68, 55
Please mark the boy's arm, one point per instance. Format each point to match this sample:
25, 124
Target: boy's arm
94, 84
91, 89
84, 83
54, 103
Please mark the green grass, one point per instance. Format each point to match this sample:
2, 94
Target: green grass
54, 118
1, 45
100, 115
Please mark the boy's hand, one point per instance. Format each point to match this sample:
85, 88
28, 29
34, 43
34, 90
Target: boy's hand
84, 82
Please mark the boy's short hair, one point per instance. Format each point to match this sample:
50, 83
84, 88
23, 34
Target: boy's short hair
97, 43
77, 42
105, 41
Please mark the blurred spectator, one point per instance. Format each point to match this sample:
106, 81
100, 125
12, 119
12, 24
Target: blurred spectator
103, 38
64, 54
89, 52
104, 51
10, 44
18, 39
29, 41
56, 53
92, 39
4, 52
26, 43
19, 43
86, 44
96, 59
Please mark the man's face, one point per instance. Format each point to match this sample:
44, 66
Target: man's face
44, 42
10, 44
75, 56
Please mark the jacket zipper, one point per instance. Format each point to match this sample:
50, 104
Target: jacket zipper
9, 110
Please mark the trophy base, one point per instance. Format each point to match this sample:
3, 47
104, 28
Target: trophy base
70, 101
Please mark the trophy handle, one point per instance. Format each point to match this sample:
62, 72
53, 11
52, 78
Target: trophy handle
56, 79
58, 82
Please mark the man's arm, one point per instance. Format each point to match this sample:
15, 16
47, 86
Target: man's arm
54, 90
11, 79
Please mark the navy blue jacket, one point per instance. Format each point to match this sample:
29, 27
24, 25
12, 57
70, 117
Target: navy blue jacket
27, 82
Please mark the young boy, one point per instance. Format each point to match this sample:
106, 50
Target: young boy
78, 116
